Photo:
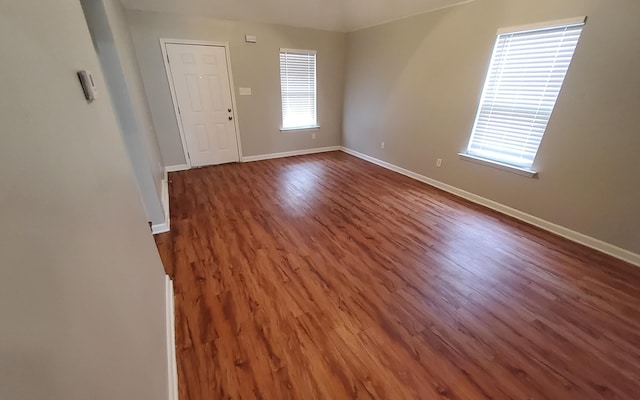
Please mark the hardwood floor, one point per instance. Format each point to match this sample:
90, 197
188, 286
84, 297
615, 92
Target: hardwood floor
326, 277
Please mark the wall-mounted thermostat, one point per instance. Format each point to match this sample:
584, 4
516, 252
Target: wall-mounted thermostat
88, 85
250, 38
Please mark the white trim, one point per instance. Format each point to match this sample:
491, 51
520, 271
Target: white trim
291, 153
298, 51
170, 323
166, 225
232, 89
544, 25
566, 233
496, 164
176, 168
300, 128
174, 101
194, 42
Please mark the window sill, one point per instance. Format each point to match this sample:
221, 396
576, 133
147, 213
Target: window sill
495, 164
301, 128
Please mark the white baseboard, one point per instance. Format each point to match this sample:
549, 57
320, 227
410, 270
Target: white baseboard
166, 225
290, 153
567, 233
176, 168
172, 364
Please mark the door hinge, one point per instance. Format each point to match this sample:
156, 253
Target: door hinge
168, 62
179, 112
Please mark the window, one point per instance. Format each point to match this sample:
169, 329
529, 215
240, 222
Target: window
298, 83
525, 76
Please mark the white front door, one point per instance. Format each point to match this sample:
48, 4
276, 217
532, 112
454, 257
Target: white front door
203, 93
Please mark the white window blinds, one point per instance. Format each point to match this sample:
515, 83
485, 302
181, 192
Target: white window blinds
298, 83
524, 79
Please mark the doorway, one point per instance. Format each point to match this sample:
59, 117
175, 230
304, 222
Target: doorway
201, 85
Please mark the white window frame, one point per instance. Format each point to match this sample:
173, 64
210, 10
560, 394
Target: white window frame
315, 125
523, 169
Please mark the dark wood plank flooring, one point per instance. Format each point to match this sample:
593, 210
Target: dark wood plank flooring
326, 277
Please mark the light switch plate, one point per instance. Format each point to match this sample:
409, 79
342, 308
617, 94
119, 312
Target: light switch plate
245, 91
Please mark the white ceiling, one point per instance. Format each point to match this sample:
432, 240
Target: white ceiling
334, 15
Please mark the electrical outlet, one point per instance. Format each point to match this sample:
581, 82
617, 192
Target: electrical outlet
382, 145
439, 162
313, 135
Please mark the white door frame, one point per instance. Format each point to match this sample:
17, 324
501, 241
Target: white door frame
167, 67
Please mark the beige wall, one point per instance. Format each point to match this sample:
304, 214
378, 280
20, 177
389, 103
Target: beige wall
82, 287
112, 40
415, 85
255, 66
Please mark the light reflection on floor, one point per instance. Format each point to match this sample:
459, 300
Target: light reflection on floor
299, 187
470, 244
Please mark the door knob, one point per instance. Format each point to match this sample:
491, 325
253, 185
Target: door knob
230, 118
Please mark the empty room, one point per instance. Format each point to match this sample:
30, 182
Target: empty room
306, 199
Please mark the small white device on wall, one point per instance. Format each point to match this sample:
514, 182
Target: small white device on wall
88, 85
